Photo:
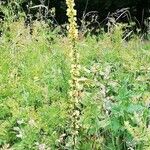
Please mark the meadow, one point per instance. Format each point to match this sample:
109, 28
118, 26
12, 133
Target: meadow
34, 90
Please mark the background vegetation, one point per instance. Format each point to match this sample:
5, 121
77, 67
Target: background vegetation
34, 98
123, 10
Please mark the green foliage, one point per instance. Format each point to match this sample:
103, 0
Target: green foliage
34, 100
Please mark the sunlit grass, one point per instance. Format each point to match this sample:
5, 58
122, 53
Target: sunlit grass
34, 100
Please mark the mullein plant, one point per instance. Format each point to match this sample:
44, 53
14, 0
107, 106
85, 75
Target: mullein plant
75, 85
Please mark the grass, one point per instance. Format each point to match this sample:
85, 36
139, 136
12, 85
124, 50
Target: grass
34, 100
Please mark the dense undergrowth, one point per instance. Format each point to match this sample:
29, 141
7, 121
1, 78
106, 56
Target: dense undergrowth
112, 108
34, 99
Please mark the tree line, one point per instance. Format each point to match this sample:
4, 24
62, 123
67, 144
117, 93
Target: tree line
136, 10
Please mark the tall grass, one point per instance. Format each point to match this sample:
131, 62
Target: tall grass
34, 98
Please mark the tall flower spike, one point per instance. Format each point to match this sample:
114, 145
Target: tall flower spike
71, 13
75, 88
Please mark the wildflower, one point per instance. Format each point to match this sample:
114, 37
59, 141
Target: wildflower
75, 85
71, 13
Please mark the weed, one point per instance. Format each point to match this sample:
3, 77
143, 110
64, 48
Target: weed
34, 100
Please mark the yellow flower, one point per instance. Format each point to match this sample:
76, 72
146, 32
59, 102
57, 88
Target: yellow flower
75, 87
71, 13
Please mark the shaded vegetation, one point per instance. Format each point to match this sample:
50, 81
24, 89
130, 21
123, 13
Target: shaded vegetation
137, 10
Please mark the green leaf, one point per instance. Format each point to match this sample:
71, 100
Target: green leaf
135, 108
